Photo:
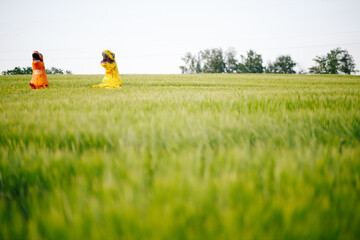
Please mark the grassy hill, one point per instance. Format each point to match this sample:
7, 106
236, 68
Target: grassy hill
219, 156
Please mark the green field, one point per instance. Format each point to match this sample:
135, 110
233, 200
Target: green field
218, 156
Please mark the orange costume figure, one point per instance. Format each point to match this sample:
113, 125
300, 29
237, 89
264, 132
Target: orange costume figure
39, 78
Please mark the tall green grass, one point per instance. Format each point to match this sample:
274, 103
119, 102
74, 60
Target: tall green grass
181, 157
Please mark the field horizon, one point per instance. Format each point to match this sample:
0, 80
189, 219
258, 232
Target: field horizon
170, 156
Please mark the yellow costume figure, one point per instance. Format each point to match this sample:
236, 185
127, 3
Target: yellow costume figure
112, 77
39, 77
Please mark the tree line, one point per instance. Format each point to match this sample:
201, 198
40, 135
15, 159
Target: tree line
28, 70
218, 61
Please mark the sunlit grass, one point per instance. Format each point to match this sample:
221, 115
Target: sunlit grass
181, 157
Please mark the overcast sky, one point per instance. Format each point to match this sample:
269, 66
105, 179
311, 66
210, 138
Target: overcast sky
152, 36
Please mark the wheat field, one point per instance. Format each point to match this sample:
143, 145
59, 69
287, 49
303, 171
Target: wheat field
208, 156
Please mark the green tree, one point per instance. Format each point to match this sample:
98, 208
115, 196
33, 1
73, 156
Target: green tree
213, 60
336, 61
54, 70
205, 56
282, 64
252, 63
347, 63
270, 68
28, 70
18, 71
190, 63
320, 67
231, 63
198, 68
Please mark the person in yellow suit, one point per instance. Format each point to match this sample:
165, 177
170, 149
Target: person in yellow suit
112, 78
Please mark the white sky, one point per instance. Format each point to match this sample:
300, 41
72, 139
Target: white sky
152, 36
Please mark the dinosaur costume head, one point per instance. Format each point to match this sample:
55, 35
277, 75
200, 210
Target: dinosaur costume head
39, 77
108, 56
37, 56
112, 77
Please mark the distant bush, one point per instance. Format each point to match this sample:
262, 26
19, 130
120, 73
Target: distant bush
336, 61
215, 60
18, 71
28, 70
282, 64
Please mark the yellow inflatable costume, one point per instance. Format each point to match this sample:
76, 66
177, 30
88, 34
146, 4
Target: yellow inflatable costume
112, 77
39, 77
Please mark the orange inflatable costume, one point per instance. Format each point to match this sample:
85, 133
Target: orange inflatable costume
39, 78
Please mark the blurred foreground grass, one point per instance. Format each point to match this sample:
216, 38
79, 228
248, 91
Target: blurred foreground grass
181, 157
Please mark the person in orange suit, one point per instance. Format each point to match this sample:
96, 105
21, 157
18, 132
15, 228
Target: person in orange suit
39, 77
